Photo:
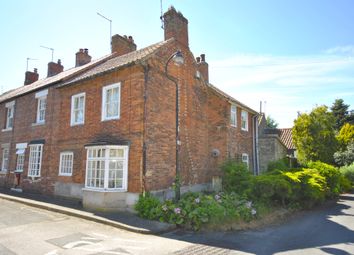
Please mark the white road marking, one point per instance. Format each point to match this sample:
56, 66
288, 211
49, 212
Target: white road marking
77, 243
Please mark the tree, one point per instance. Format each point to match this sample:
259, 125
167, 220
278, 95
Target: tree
271, 123
340, 112
314, 135
346, 134
345, 157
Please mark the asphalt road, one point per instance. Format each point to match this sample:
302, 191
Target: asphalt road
28, 230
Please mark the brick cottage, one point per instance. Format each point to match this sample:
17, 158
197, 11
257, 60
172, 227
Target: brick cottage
105, 130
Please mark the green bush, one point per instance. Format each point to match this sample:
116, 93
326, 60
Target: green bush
308, 187
274, 189
280, 164
197, 209
348, 172
236, 177
332, 176
346, 156
148, 206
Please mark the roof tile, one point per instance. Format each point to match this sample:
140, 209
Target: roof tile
287, 138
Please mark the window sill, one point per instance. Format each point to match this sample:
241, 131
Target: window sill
246, 130
3, 172
76, 124
104, 190
233, 126
65, 175
38, 124
6, 129
108, 119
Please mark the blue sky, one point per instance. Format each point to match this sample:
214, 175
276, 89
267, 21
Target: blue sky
293, 55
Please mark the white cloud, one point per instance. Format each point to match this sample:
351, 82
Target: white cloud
348, 49
288, 83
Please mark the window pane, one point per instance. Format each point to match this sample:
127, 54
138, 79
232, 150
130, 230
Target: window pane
66, 163
111, 102
35, 160
110, 165
116, 153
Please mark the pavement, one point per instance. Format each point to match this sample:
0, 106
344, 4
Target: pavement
122, 220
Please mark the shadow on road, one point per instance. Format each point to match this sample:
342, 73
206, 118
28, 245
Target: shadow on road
322, 227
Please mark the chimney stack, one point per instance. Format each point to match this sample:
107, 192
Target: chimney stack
82, 57
31, 77
176, 25
203, 67
54, 68
122, 45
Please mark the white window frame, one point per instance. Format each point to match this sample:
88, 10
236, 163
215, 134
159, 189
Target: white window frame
106, 158
40, 102
10, 113
20, 160
245, 159
104, 103
66, 163
5, 157
244, 120
233, 114
32, 160
73, 121
41, 96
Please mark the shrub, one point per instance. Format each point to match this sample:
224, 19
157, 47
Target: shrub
332, 176
348, 172
148, 206
308, 187
280, 164
236, 177
195, 209
273, 189
345, 157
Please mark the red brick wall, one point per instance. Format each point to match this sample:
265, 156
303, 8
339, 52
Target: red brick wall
128, 127
204, 126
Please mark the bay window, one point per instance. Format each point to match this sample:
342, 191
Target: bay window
107, 167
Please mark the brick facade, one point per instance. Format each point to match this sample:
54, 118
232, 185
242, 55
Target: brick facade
146, 122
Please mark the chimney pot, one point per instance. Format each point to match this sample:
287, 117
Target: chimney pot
82, 57
203, 68
176, 26
198, 59
54, 68
122, 45
31, 77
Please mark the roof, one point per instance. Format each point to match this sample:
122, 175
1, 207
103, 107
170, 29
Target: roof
287, 138
118, 62
233, 100
65, 75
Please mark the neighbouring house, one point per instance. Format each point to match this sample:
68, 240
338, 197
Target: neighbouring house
274, 144
105, 130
